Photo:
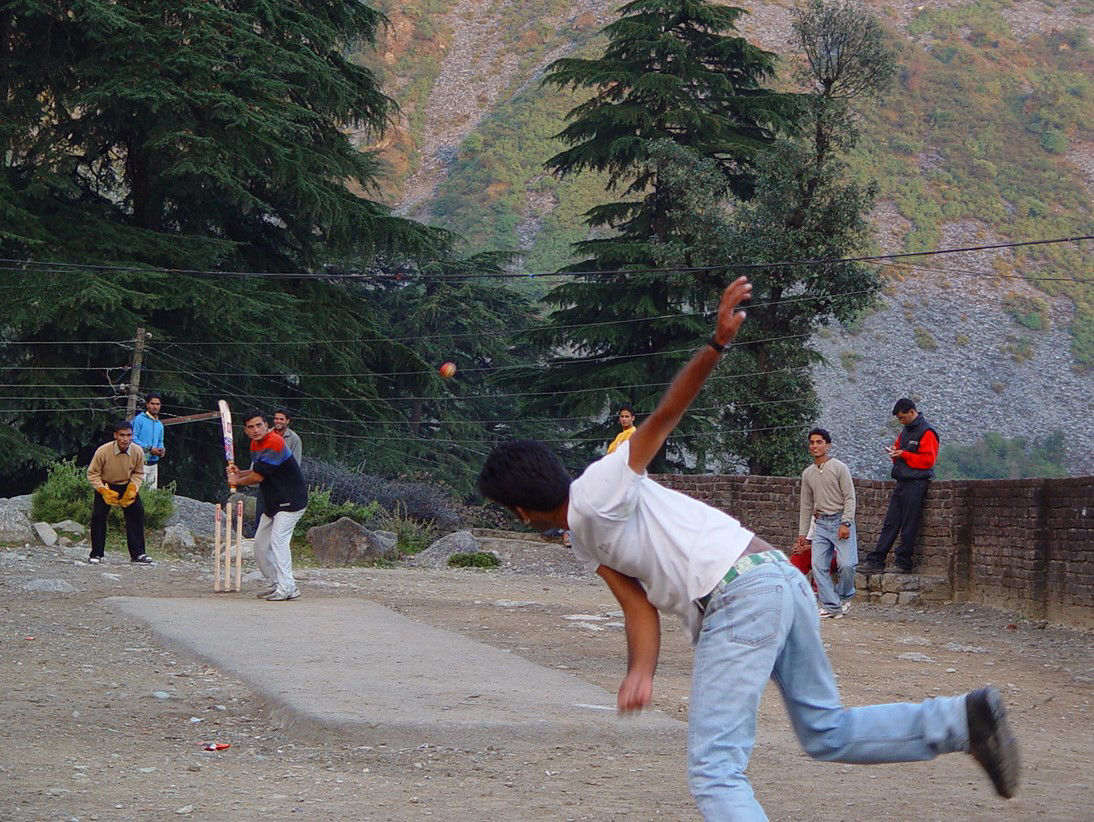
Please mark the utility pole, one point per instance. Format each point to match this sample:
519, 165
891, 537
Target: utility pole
135, 372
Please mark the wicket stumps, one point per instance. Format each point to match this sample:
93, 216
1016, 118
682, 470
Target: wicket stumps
225, 517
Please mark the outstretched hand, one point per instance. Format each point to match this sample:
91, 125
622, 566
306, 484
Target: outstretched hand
729, 317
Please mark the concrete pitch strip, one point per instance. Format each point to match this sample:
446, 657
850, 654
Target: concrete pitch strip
357, 670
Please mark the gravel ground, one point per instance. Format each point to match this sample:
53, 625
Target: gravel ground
99, 722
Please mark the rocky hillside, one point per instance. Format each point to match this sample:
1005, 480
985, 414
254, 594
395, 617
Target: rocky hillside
987, 139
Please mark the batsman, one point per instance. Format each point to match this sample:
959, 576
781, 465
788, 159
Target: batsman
277, 474
750, 613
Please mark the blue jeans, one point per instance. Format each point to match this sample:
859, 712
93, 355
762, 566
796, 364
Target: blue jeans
825, 542
764, 625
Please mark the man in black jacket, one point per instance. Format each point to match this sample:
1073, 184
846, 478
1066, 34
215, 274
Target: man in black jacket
913, 454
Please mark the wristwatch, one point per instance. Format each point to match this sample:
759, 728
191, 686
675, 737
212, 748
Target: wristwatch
847, 522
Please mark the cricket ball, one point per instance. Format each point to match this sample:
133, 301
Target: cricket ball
447, 370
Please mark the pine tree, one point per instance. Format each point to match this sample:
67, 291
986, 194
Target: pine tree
141, 138
675, 70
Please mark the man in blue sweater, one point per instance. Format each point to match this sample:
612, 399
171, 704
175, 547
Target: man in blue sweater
148, 434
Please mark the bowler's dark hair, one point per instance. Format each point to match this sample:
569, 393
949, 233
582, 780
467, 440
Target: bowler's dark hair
251, 413
122, 425
903, 406
823, 432
153, 395
623, 408
525, 473
284, 411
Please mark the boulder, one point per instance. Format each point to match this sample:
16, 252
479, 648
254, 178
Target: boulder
45, 533
345, 542
196, 516
15, 525
178, 540
437, 554
388, 539
68, 526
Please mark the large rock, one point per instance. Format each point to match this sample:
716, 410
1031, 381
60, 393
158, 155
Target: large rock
45, 533
15, 525
345, 542
68, 526
178, 540
52, 586
437, 554
196, 516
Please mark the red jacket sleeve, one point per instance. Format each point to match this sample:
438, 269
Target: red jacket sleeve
924, 458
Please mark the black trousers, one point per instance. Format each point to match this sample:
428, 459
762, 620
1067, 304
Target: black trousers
134, 524
903, 516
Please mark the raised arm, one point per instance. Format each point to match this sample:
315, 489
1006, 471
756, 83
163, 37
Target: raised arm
655, 429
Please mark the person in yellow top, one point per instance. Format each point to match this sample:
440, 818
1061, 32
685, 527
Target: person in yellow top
626, 420
116, 472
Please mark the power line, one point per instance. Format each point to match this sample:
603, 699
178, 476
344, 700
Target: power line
22, 264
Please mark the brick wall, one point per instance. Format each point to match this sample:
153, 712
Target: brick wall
1023, 545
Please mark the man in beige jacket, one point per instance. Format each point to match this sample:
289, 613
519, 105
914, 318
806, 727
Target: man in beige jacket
116, 472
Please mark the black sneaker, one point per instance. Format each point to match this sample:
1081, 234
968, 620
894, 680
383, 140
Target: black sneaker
870, 568
991, 742
905, 569
143, 559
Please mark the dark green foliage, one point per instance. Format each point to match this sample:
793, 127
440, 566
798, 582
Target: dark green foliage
671, 71
994, 456
321, 511
477, 559
145, 136
66, 494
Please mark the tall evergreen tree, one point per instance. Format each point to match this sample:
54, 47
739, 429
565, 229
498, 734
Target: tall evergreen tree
675, 70
807, 207
143, 136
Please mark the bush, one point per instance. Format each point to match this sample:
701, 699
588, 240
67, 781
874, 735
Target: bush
415, 500
478, 559
412, 536
66, 494
321, 511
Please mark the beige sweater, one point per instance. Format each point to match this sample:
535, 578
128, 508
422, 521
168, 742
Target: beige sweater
110, 466
826, 490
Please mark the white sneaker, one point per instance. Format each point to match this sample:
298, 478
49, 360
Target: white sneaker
281, 595
265, 592
824, 613
845, 606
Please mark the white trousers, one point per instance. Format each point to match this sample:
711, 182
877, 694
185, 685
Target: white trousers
151, 475
273, 555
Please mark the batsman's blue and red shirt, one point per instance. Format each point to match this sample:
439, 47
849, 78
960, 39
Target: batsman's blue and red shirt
282, 487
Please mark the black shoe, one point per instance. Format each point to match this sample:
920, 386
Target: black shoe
905, 569
991, 742
143, 559
870, 568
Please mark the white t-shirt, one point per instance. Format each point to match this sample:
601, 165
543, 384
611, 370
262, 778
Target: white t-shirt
676, 546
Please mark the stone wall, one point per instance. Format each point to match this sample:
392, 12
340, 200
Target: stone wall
1023, 545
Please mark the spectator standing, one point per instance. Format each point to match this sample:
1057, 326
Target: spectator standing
115, 472
284, 497
626, 422
148, 434
281, 420
913, 453
828, 506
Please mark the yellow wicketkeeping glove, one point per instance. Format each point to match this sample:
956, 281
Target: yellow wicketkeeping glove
129, 495
110, 497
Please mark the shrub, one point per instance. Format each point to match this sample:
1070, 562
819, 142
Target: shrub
478, 559
321, 511
66, 494
415, 500
412, 536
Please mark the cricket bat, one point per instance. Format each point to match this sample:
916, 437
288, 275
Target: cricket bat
226, 430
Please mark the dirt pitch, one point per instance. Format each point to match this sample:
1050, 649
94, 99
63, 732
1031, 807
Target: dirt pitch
98, 720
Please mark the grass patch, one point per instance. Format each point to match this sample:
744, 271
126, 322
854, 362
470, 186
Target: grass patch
476, 559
